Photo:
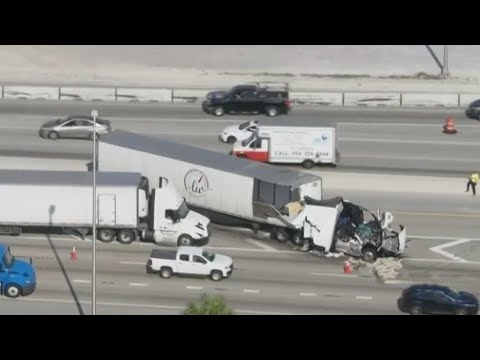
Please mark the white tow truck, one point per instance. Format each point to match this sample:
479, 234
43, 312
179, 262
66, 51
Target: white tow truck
187, 260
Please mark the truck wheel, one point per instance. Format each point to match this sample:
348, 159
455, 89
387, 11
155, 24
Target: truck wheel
12, 291
166, 273
53, 135
308, 164
296, 239
106, 235
219, 111
231, 139
185, 240
216, 275
125, 237
280, 235
271, 111
369, 254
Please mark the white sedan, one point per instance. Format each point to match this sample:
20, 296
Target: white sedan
234, 133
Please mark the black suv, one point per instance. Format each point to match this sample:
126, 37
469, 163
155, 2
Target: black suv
248, 99
473, 110
437, 299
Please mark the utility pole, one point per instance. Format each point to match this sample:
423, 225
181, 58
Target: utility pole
94, 225
445, 60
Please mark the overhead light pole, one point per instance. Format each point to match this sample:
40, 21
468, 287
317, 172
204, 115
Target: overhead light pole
94, 220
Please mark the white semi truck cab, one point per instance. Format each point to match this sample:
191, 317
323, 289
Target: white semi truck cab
171, 222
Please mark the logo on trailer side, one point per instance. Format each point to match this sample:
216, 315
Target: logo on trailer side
196, 182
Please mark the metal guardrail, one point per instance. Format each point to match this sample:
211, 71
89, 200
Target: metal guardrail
165, 95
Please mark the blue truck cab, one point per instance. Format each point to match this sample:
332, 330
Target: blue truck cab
17, 277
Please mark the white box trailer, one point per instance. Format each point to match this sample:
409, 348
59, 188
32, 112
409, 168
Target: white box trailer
64, 199
227, 190
278, 144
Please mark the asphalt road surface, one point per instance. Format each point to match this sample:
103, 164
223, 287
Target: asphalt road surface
370, 139
269, 278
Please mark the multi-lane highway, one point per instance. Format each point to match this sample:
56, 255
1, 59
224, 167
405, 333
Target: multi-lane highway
378, 139
269, 277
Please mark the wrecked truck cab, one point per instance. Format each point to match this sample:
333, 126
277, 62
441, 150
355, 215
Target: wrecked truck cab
361, 233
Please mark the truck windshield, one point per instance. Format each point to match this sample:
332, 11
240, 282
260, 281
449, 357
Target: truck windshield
247, 141
8, 259
183, 210
208, 256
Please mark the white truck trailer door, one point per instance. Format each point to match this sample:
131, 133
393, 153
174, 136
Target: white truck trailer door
319, 224
107, 210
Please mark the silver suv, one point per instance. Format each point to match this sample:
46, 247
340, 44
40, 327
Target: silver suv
74, 127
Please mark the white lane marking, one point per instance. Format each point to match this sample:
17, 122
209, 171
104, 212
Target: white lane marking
426, 142
194, 287
364, 297
138, 284
249, 291
441, 261
253, 312
146, 306
439, 238
335, 275
398, 282
132, 263
307, 294
418, 158
439, 249
79, 281
266, 247
383, 124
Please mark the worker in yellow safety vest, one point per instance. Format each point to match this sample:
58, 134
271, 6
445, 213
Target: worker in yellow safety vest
473, 182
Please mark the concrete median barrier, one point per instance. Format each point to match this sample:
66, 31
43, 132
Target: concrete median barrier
372, 99
430, 99
143, 95
87, 94
30, 92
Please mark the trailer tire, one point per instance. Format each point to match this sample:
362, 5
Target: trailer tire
185, 240
216, 275
12, 291
166, 273
106, 235
369, 254
308, 164
125, 237
281, 235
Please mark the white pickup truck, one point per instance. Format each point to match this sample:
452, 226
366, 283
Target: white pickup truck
188, 260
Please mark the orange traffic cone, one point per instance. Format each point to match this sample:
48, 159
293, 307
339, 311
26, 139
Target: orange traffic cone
73, 254
347, 267
449, 127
